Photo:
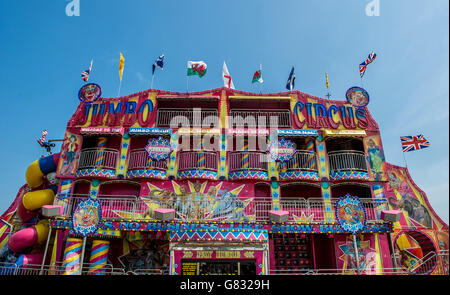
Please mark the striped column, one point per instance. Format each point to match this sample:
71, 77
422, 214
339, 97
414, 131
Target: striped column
322, 166
311, 159
72, 257
99, 257
172, 165
272, 165
223, 157
122, 163
245, 155
275, 192
101, 146
201, 156
327, 205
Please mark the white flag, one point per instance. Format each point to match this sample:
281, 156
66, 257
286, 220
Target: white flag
226, 77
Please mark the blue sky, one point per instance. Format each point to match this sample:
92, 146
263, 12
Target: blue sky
44, 51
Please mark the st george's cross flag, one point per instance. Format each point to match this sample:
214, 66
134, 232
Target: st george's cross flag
363, 65
412, 143
257, 76
196, 68
85, 74
42, 139
226, 77
159, 63
291, 80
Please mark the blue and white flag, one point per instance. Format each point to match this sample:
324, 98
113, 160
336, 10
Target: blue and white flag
291, 80
159, 63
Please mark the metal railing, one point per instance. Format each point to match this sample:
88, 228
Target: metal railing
165, 116
110, 204
252, 118
310, 271
372, 207
189, 160
59, 269
139, 159
444, 258
256, 161
302, 160
347, 161
90, 158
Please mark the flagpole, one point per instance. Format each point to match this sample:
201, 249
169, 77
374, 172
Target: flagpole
120, 84
260, 71
404, 158
151, 85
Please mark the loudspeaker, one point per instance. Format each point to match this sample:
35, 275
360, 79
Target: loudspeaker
391, 215
278, 215
164, 214
52, 210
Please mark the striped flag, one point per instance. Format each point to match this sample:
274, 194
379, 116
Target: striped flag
85, 74
412, 143
363, 65
159, 63
121, 65
42, 139
291, 80
326, 80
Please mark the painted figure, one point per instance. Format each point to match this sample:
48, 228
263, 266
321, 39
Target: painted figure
69, 155
376, 159
414, 208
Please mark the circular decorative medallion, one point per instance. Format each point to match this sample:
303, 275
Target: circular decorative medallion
86, 217
158, 148
89, 93
351, 214
357, 96
282, 150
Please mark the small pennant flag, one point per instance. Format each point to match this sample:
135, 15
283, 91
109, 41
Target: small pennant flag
42, 139
326, 80
412, 143
291, 80
159, 63
196, 68
85, 74
226, 77
121, 65
363, 65
257, 76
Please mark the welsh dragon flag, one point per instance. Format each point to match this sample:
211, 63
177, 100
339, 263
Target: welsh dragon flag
196, 68
257, 77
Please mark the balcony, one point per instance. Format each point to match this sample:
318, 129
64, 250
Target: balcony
302, 166
197, 164
165, 116
247, 165
141, 165
348, 164
94, 160
251, 118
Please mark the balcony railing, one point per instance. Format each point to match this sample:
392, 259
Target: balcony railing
96, 158
252, 118
139, 159
256, 161
189, 160
347, 161
302, 160
164, 117
205, 209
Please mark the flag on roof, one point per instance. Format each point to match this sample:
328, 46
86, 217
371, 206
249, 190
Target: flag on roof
85, 74
196, 68
121, 65
42, 139
412, 143
257, 76
159, 63
363, 65
291, 80
326, 80
226, 77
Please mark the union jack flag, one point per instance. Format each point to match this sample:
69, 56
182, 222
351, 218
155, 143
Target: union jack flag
412, 143
85, 74
42, 139
363, 65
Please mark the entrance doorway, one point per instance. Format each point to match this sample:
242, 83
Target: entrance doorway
218, 267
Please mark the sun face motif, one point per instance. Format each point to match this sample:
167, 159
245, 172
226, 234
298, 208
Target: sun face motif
194, 201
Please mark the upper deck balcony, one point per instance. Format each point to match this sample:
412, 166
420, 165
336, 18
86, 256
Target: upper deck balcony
347, 158
96, 158
262, 118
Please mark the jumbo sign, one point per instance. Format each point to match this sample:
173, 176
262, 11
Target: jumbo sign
116, 113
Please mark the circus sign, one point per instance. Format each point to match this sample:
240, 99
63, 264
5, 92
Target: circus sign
158, 148
89, 93
282, 150
86, 217
351, 214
